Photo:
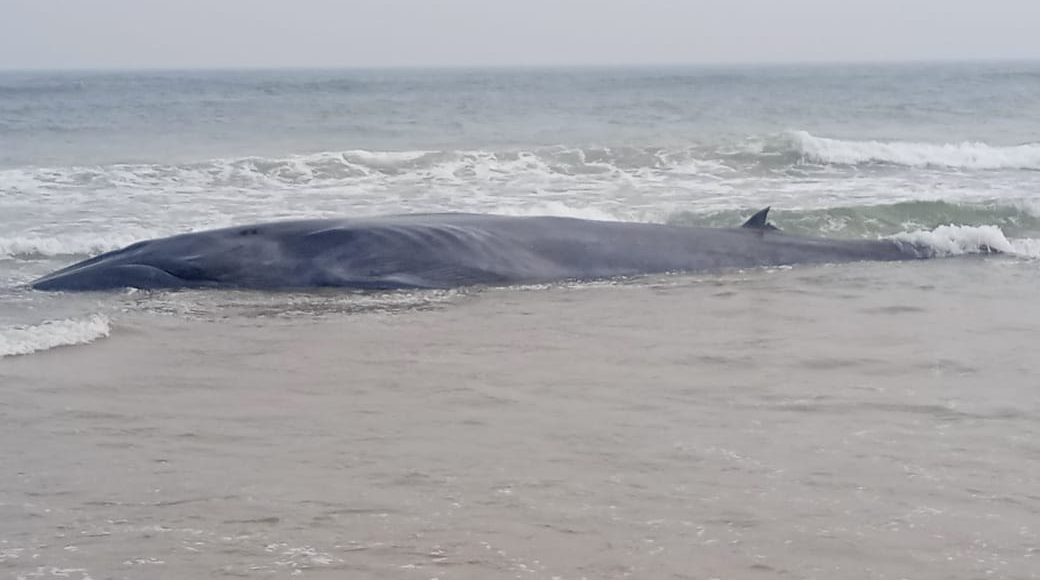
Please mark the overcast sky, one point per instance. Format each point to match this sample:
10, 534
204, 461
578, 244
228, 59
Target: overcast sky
349, 33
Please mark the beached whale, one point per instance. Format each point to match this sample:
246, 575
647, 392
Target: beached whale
451, 250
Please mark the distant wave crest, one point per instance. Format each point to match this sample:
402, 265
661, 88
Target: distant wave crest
966, 155
27, 339
335, 168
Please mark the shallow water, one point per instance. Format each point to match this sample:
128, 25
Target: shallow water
857, 421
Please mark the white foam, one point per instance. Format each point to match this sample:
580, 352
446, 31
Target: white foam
381, 158
966, 155
64, 245
27, 339
334, 169
953, 240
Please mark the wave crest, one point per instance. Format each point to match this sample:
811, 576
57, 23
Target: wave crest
27, 339
955, 240
27, 247
336, 168
966, 155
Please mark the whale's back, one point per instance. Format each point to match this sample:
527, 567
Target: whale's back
443, 251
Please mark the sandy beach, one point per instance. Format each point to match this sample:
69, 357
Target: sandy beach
833, 422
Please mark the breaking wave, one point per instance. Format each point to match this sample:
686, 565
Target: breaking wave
966, 155
27, 339
337, 167
34, 246
866, 221
956, 240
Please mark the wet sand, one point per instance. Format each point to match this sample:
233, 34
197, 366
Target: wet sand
862, 421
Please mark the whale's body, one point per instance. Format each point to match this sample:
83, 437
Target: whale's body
450, 250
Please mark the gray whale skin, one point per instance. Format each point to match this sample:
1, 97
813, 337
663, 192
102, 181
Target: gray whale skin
451, 250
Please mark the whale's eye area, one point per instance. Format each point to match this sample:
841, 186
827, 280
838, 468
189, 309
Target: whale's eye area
249, 232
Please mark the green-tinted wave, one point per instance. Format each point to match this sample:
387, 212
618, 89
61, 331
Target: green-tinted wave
879, 220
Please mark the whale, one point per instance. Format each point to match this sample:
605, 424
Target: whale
451, 250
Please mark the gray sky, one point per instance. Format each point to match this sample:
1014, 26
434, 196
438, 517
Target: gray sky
328, 33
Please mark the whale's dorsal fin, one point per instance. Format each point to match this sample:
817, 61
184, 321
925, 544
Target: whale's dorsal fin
758, 221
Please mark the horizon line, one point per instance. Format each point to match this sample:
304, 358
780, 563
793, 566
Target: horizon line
522, 66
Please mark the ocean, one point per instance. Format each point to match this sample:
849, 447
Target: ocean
840, 421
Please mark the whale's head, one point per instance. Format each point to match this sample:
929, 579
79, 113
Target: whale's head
147, 265
307, 253
194, 260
